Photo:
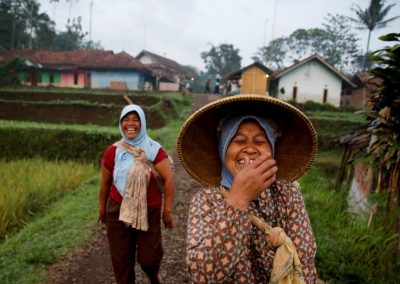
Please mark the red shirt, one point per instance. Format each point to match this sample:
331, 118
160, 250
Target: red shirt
154, 198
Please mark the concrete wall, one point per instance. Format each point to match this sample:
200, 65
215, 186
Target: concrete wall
103, 80
311, 80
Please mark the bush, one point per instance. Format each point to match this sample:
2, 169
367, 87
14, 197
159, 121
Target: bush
54, 144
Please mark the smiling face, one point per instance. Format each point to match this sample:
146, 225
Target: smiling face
130, 125
249, 142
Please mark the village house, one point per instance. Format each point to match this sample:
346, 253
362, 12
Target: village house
365, 87
311, 79
166, 73
252, 79
96, 69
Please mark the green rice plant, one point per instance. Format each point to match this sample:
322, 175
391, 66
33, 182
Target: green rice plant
28, 186
65, 224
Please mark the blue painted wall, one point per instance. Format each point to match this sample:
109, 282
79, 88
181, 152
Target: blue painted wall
101, 80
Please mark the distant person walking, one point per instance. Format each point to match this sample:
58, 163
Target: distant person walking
216, 88
207, 89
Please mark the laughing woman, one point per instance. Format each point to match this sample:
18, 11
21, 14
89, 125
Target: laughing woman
249, 224
134, 172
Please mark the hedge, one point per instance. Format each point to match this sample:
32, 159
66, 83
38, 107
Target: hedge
54, 144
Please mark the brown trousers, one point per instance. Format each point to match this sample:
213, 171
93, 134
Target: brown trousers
125, 243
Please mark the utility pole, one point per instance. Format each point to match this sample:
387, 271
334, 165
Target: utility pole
90, 27
265, 31
144, 37
274, 20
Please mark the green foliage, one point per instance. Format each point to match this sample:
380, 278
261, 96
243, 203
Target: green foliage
64, 225
55, 143
22, 25
335, 43
10, 70
29, 185
384, 117
347, 250
87, 142
79, 108
313, 106
373, 17
221, 60
274, 54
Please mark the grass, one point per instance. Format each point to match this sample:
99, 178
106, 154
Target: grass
88, 128
348, 116
348, 251
28, 186
68, 222
64, 225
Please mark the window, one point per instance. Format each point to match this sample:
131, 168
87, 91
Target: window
75, 78
51, 78
294, 95
325, 96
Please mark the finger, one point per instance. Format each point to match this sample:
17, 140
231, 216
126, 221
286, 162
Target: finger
263, 159
269, 176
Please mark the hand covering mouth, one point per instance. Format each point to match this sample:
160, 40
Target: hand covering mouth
243, 162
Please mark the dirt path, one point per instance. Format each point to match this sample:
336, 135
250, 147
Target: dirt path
91, 263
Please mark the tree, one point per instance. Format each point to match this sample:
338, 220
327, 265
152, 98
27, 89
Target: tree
372, 18
341, 46
10, 70
274, 54
221, 60
384, 118
20, 23
22, 26
71, 39
335, 43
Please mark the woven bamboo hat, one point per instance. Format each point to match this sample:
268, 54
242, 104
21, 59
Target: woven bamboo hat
295, 147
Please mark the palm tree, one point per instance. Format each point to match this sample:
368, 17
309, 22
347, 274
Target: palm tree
373, 17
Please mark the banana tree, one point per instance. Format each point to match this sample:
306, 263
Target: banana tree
384, 122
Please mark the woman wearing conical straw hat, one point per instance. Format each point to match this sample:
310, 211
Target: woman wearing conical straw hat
249, 223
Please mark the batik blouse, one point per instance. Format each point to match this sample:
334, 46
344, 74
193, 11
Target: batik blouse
223, 245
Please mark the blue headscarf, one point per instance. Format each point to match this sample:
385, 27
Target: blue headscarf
229, 130
123, 159
142, 140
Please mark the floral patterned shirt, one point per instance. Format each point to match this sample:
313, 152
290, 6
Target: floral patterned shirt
223, 245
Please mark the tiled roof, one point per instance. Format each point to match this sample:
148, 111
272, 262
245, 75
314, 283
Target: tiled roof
237, 74
161, 62
278, 74
79, 59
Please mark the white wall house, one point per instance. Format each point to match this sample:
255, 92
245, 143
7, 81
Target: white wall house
312, 79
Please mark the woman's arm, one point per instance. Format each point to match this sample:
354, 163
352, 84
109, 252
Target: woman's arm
105, 185
165, 171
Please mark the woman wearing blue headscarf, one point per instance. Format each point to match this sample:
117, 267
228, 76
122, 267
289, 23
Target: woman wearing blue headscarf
249, 224
135, 170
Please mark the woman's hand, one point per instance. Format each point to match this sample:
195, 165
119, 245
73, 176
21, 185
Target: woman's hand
250, 181
102, 216
168, 220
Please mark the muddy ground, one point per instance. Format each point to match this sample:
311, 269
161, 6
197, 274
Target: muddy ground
91, 263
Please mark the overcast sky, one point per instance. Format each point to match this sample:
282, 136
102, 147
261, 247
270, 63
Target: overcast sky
182, 29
